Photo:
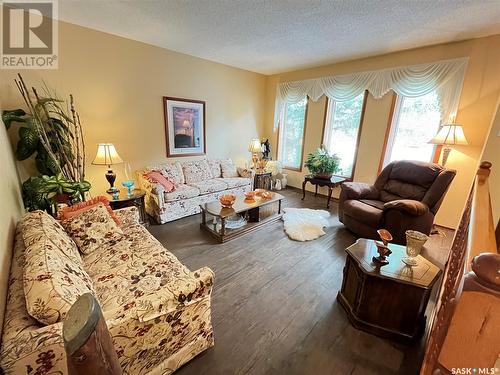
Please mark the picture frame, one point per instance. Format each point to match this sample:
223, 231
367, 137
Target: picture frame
184, 126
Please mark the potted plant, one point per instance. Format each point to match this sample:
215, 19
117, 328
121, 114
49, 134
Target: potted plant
321, 164
45, 192
50, 130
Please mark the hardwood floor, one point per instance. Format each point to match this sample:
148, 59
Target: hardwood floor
274, 303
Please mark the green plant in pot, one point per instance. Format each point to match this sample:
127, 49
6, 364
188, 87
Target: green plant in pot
50, 130
45, 192
321, 164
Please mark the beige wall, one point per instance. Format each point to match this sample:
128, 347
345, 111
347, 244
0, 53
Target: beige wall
476, 109
10, 208
492, 154
118, 86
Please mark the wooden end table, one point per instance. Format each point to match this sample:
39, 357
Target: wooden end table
331, 184
262, 180
136, 199
388, 301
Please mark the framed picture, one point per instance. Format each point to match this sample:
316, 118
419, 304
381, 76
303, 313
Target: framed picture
184, 126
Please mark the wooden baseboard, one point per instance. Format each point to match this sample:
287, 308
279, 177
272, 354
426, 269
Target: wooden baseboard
299, 190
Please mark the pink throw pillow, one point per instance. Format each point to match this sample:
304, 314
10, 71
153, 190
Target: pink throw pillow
157, 177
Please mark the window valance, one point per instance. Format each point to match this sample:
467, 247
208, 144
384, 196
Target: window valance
411, 81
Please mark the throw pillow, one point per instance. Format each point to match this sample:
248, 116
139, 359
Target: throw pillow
244, 172
77, 209
156, 177
215, 168
228, 169
92, 229
196, 171
53, 276
173, 172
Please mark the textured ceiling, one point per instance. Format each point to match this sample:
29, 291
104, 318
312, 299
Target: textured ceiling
274, 36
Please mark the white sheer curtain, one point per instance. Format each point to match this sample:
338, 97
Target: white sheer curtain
411, 81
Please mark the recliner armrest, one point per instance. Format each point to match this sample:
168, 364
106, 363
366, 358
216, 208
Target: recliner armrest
408, 206
359, 190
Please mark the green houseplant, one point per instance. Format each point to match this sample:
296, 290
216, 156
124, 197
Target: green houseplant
50, 130
321, 164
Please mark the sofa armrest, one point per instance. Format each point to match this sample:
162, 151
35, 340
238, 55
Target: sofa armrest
128, 215
155, 190
359, 190
408, 206
40, 349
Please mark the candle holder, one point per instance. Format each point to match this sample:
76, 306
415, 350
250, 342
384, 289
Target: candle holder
383, 248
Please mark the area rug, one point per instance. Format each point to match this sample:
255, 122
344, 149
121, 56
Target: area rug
305, 224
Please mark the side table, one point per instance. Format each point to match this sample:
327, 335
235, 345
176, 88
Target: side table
136, 199
331, 184
262, 180
387, 301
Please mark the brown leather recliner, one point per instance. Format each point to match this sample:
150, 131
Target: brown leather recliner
406, 195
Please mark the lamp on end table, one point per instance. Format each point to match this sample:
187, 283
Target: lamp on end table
449, 135
107, 155
255, 147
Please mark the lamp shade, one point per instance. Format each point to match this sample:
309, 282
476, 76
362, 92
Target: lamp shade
450, 135
255, 146
107, 155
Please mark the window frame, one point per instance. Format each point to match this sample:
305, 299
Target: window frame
358, 138
279, 134
389, 134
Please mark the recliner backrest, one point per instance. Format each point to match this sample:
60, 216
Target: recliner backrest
411, 179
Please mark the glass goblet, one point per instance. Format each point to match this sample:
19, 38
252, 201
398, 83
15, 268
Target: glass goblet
414, 243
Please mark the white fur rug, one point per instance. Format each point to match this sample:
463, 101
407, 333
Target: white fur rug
305, 224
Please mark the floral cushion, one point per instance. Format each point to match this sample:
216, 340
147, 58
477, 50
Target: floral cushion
92, 229
196, 171
77, 209
228, 168
235, 181
53, 278
182, 192
209, 186
173, 172
215, 168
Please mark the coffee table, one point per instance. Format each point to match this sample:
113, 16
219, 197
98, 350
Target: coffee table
257, 213
388, 301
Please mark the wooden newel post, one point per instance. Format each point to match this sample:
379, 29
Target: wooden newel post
88, 343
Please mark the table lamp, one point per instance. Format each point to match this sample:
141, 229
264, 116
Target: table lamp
449, 135
107, 155
255, 147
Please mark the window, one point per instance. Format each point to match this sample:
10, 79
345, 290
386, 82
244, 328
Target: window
341, 132
414, 123
291, 134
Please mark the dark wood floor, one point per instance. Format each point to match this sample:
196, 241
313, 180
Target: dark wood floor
274, 303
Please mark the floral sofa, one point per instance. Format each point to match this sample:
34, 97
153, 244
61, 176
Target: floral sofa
157, 311
196, 182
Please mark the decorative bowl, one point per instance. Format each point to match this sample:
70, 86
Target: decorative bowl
250, 195
227, 200
258, 192
267, 195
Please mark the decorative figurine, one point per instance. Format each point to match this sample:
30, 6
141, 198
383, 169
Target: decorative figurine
382, 248
266, 149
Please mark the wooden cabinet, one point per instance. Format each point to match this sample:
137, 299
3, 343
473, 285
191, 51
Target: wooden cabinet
262, 180
388, 301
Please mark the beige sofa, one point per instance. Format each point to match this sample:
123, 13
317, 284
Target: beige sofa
157, 311
196, 182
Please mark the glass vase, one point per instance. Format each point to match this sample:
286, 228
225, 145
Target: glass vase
129, 180
414, 243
